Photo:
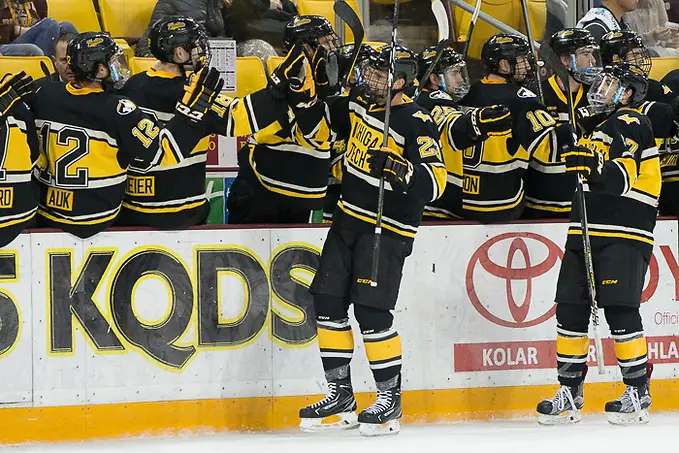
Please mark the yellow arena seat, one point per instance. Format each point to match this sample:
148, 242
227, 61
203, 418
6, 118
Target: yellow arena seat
80, 13
30, 65
125, 47
662, 66
324, 8
537, 9
139, 64
126, 18
272, 63
250, 76
506, 11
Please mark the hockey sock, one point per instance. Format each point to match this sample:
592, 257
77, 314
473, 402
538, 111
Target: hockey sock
337, 347
572, 343
384, 354
630, 343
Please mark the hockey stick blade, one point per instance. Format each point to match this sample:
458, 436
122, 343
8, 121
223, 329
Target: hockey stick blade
442, 45
475, 16
349, 16
441, 17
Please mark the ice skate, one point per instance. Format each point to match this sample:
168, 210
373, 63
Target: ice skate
631, 408
563, 408
334, 412
382, 417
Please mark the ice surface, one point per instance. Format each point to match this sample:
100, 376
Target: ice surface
593, 434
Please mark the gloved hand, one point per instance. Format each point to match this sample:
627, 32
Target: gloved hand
290, 74
326, 72
492, 120
200, 92
582, 160
18, 87
395, 169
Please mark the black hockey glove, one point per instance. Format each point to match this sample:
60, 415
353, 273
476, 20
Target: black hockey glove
493, 120
290, 74
18, 87
582, 160
395, 169
200, 92
326, 72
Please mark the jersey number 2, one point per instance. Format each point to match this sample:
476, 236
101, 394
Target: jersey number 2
77, 139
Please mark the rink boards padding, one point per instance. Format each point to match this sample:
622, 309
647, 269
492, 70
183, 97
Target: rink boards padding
139, 332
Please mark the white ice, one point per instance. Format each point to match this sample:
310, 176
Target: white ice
593, 434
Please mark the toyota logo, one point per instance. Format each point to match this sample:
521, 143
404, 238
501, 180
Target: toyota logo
494, 277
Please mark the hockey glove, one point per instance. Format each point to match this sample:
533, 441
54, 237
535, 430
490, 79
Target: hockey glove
290, 74
326, 72
582, 160
393, 167
19, 87
199, 93
493, 120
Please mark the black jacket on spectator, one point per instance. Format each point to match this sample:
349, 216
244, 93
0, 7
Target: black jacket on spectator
253, 19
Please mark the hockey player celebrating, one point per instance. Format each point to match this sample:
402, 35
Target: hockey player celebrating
153, 197
447, 84
619, 161
414, 175
281, 177
493, 171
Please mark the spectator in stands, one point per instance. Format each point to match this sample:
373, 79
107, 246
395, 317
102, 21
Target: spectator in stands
650, 21
25, 22
247, 20
607, 18
64, 73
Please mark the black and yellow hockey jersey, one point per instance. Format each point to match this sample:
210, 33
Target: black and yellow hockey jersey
18, 192
622, 208
456, 135
412, 133
494, 169
659, 92
668, 204
89, 137
172, 193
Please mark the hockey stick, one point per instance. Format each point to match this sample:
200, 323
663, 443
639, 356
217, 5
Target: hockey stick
349, 16
529, 32
441, 17
554, 62
385, 143
475, 16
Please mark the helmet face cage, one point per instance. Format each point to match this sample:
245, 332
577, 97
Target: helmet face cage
119, 71
373, 78
625, 46
584, 64
640, 56
199, 51
454, 80
89, 50
610, 86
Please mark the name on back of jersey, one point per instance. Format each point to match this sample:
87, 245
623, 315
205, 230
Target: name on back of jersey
6, 197
141, 186
60, 199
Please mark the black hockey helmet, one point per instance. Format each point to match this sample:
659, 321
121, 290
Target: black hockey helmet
88, 50
424, 60
311, 30
345, 57
168, 34
569, 40
580, 47
506, 46
451, 70
608, 89
373, 69
624, 46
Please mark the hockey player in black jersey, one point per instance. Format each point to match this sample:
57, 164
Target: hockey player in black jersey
18, 194
619, 161
281, 177
447, 84
90, 136
414, 175
153, 197
494, 169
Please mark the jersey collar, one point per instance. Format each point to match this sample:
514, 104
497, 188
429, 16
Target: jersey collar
562, 95
153, 72
81, 91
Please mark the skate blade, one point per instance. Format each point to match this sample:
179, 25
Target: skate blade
634, 418
565, 418
371, 429
343, 420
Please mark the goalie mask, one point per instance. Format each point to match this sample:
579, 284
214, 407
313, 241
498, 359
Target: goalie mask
516, 51
184, 32
88, 50
625, 46
579, 52
451, 71
608, 90
372, 74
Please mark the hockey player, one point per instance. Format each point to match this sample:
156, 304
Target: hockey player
414, 175
493, 171
90, 136
619, 161
549, 189
18, 194
447, 84
281, 177
153, 197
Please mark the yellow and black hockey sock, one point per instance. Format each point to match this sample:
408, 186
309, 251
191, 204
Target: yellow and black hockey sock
631, 352
572, 349
337, 347
384, 354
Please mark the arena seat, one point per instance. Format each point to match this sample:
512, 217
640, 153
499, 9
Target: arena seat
537, 9
272, 63
125, 18
662, 66
325, 8
30, 65
250, 76
506, 11
139, 64
125, 47
80, 13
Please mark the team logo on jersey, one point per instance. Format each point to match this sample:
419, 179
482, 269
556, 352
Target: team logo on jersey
94, 42
125, 107
525, 93
174, 26
440, 95
629, 119
423, 116
666, 89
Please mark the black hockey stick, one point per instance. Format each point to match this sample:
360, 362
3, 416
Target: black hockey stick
442, 45
475, 16
554, 62
349, 16
531, 44
441, 17
385, 143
